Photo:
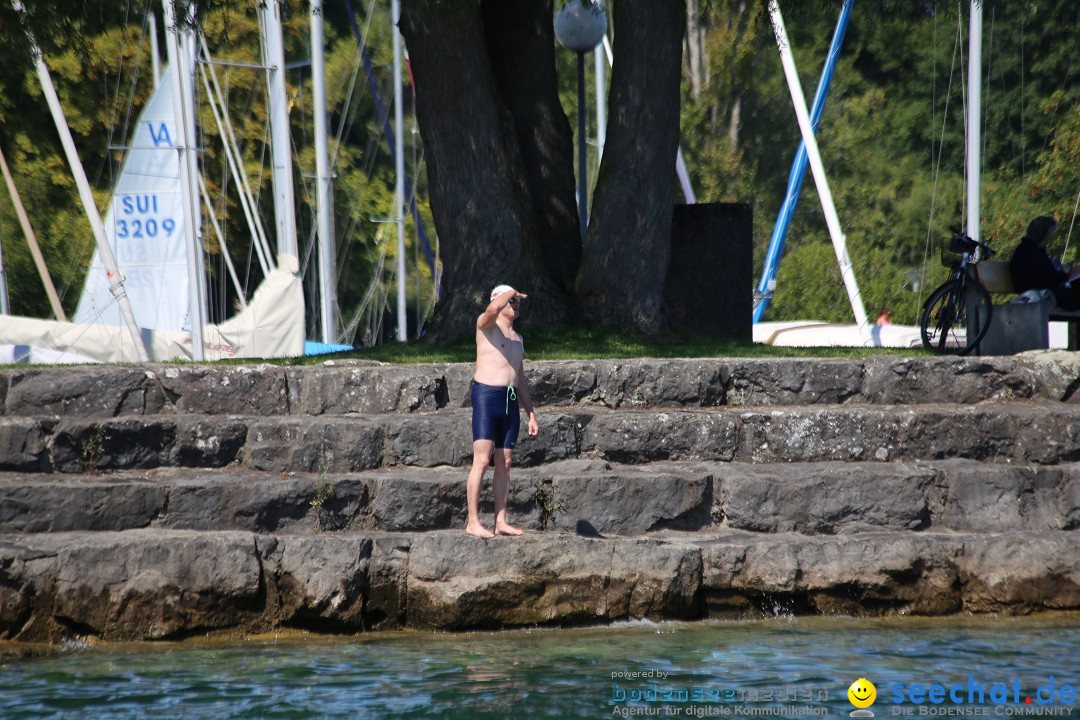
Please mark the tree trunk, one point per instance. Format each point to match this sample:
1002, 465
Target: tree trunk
695, 48
740, 25
521, 44
475, 174
734, 123
626, 252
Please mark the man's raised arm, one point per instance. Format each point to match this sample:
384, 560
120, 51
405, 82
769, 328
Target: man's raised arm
491, 312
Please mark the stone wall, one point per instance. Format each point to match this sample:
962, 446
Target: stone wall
165, 501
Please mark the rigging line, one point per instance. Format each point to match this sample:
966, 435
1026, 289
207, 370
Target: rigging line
345, 112
233, 148
221, 241
933, 166
384, 305
249, 111
941, 146
374, 147
234, 165
340, 242
1023, 102
367, 168
112, 101
374, 143
369, 292
226, 95
309, 201
126, 129
421, 232
262, 163
1006, 118
221, 209
1016, 159
348, 112
1064, 83
418, 161
345, 125
416, 248
1072, 221
347, 231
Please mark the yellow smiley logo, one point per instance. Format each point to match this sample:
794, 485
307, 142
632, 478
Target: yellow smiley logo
862, 693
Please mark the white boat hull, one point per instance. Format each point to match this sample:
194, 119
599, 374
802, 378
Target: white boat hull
814, 333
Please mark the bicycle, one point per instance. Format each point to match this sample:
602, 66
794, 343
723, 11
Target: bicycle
957, 315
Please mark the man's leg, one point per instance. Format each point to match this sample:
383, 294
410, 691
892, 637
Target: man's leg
481, 452
501, 487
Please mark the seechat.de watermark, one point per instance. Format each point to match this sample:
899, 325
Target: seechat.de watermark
973, 698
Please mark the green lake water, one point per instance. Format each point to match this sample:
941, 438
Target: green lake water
775, 668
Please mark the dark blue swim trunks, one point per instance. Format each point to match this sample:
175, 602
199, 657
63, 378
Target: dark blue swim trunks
495, 414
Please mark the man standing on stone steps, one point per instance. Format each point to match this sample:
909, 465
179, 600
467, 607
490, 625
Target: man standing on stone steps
498, 385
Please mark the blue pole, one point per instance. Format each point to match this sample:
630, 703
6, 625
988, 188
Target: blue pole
798, 167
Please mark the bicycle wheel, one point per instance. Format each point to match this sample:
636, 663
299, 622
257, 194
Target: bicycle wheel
956, 317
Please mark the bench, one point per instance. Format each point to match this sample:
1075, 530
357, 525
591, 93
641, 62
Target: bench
1016, 327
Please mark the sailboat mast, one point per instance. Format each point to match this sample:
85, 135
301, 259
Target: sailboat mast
327, 285
280, 146
185, 134
600, 73
839, 242
399, 183
4, 308
31, 239
155, 55
974, 116
798, 168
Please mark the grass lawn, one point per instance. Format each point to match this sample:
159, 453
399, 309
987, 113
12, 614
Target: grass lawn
577, 343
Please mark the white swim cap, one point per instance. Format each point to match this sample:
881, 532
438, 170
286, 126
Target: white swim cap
499, 290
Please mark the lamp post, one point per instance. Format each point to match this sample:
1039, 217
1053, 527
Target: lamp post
579, 27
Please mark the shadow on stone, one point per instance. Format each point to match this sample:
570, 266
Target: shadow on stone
585, 528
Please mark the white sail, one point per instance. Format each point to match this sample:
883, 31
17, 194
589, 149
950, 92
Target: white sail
145, 227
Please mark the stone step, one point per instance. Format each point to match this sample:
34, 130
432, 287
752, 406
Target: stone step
157, 584
591, 497
1029, 432
342, 387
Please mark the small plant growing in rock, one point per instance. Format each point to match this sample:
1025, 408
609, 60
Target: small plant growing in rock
324, 492
544, 497
92, 449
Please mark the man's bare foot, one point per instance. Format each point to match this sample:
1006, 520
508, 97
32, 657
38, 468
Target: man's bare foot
507, 529
479, 531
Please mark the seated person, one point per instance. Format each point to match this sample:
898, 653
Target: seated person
1033, 269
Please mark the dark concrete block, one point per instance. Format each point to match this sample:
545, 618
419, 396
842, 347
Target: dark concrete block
709, 284
1016, 327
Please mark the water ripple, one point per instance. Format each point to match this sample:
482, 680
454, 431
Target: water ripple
530, 674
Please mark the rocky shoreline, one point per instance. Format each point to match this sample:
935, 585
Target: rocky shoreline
164, 502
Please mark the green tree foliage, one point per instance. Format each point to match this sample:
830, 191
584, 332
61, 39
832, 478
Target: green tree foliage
103, 78
892, 136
